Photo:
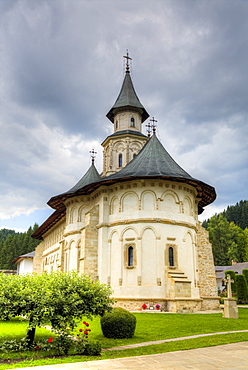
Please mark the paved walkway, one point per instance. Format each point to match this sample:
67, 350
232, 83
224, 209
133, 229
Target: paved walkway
224, 357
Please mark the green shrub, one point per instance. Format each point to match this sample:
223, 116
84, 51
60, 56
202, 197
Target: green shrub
233, 277
245, 273
13, 346
118, 324
92, 348
242, 293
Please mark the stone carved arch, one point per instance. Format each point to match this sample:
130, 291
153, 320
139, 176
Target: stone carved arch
170, 202
119, 146
71, 242
81, 213
73, 255
190, 234
188, 206
73, 215
149, 257
112, 233
128, 229
114, 205
148, 200
129, 201
135, 146
150, 228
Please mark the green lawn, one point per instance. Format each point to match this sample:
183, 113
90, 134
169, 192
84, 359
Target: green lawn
150, 327
17, 328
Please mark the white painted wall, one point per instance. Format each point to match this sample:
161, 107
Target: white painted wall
25, 266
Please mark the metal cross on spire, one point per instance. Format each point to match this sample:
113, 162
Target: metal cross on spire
93, 155
127, 61
149, 129
153, 125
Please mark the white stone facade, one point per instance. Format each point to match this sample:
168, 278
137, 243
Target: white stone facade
152, 217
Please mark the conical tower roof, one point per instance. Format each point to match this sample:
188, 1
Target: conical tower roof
91, 176
153, 161
127, 99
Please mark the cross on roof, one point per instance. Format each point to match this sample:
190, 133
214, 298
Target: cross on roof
127, 61
93, 155
153, 124
148, 129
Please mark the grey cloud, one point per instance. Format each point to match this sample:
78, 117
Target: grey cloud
62, 71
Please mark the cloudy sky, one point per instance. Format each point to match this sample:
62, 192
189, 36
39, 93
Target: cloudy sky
61, 69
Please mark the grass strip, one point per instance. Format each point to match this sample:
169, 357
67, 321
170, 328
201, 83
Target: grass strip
201, 342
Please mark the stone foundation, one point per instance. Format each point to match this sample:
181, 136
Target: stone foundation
182, 305
179, 305
210, 303
136, 304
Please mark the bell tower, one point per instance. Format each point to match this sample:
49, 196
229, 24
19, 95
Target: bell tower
127, 115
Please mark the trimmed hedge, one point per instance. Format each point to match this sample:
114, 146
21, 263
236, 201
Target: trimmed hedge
118, 324
242, 292
245, 273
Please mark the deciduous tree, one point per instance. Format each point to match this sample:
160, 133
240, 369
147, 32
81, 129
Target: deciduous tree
58, 298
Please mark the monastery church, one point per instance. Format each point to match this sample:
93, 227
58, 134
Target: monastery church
134, 226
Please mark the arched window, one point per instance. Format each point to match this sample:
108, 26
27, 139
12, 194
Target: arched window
132, 122
120, 160
116, 124
134, 155
130, 256
171, 256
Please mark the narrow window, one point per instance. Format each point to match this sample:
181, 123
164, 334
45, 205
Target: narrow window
130, 256
120, 160
132, 122
116, 124
134, 155
171, 256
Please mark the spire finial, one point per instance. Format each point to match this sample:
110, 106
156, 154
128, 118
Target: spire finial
153, 125
93, 155
149, 129
127, 61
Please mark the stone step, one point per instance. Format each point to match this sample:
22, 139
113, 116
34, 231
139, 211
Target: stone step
178, 276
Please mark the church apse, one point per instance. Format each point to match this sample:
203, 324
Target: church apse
134, 226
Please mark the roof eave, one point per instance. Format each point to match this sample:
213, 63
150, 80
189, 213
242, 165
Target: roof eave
114, 110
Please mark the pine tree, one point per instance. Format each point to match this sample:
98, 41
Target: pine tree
13, 245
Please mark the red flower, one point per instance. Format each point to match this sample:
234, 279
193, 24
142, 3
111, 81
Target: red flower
85, 332
86, 324
37, 347
80, 330
50, 340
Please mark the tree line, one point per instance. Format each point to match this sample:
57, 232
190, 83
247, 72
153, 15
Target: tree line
14, 244
228, 233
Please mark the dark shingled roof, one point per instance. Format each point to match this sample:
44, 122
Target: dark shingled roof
152, 160
127, 99
27, 255
91, 176
125, 132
